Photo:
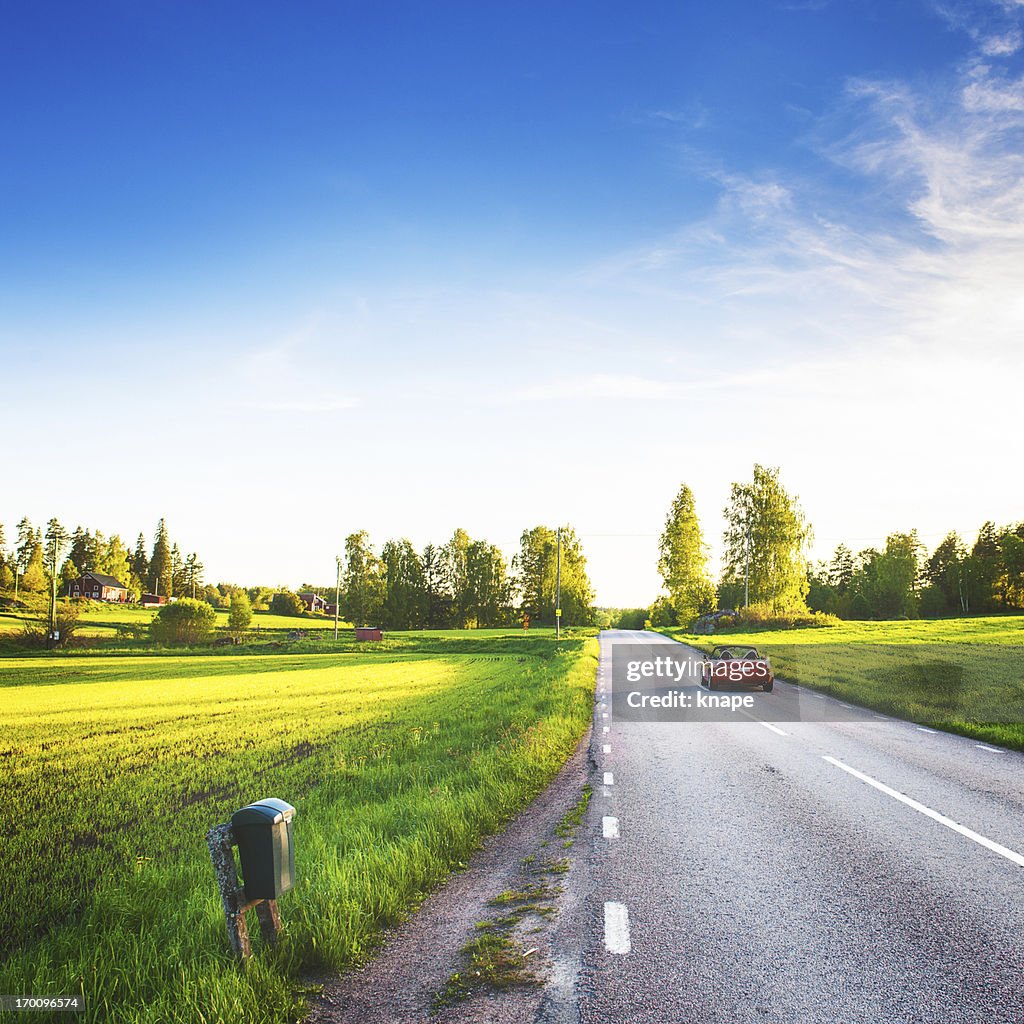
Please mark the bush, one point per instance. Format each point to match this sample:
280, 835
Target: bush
185, 622
35, 633
764, 616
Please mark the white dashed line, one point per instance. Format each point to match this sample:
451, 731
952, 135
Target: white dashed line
604, 714
605, 729
610, 827
607, 748
774, 728
609, 779
976, 837
991, 750
616, 928
931, 732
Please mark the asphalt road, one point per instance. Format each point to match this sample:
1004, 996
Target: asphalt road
860, 870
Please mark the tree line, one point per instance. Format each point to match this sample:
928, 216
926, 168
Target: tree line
904, 580
158, 569
765, 565
466, 582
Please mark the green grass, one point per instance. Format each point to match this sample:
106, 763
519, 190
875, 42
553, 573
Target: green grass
962, 675
102, 621
398, 759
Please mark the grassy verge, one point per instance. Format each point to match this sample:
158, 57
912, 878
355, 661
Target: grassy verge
397, 759
961, 675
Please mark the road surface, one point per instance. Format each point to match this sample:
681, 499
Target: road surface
863, 870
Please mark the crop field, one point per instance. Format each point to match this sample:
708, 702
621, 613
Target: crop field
961, 675
398, 759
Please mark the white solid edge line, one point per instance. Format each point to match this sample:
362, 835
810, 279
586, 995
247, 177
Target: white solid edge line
606, 748
609, 779
981, 840
610, 827
616, 928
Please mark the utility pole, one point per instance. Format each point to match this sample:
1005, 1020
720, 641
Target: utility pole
746, 575
337, 592
558, 585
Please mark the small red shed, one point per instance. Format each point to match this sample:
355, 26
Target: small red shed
369, 633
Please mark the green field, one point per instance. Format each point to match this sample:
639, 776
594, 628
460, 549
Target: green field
398, 759
104, 620
963, 675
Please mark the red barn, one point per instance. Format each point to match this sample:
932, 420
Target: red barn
313, 602
369, 633
98, 587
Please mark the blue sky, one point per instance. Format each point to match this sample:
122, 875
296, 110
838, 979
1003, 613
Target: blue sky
405, 267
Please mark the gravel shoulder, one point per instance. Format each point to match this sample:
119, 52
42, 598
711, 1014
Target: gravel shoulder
523, 886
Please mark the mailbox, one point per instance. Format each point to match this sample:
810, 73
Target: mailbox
263, 832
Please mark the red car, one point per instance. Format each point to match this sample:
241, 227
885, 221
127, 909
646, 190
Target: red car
737, 665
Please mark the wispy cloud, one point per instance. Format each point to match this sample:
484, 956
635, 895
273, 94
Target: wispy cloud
919, 240
291, 374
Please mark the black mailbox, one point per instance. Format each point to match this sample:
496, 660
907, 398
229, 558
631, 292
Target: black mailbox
263, 832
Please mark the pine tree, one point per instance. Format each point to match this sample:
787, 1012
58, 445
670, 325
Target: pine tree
179, 579
140, 563
160, 568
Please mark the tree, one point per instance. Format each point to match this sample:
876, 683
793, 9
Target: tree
286, 603
683, 561
438, 611
944, 573
115, 560
766, 521
239, 614
179, 580
488, 595
454, 557
82, 555
160, 578
897, 576
191, 574
184, 622
534, 571
140, 563
30, 558
405, 596
362, 581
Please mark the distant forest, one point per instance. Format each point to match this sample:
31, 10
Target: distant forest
464, 582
